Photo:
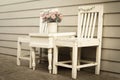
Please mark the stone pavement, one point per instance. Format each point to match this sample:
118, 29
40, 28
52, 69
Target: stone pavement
10, 71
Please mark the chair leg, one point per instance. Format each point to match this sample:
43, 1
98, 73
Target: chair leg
33, 57
74, 62
50, 59
55, 59
79, 56
18, 52
30, 62
98, 59
40, 52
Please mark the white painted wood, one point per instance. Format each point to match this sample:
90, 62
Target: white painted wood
84, 15
55, 60
94, 23
11, 2
111, 43
70, 10
110, 29
26, 39
108, 32
87, 24
110, 55
19, 52
43, 39
90, 26
10, 37
43, 4
63, 65
50, 60
19, 30
10, 51
74, 61
108, 66
33, 57
73, 21
112, 19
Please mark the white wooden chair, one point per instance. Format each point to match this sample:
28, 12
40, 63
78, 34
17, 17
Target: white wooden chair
20, 54
26, 39
90, 21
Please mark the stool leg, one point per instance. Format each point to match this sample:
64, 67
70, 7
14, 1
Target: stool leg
30, 62
18, 52
50, 60
33, 57
40, 51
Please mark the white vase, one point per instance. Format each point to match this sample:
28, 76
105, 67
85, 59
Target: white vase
52, 27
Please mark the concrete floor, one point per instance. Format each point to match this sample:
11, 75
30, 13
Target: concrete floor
9, 71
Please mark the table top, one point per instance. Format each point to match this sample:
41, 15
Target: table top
52, 34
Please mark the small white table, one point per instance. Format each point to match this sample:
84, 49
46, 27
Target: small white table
45, 41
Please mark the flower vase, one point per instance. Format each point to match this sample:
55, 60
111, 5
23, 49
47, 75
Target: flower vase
52, 27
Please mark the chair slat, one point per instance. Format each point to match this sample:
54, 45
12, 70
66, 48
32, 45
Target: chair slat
94, 22
87, 24
42, 26
84, 23
46, 28
90, 26
80, 21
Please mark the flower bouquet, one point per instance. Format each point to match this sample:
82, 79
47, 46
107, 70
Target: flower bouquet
51, 16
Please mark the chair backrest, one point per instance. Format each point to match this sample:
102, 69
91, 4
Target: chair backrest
90, 21
43, 25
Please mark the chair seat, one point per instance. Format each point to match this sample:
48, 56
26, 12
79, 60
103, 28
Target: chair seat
80, 42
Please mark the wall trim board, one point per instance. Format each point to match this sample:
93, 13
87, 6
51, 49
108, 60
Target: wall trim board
18, 3
22, 26
8, 40
19, 18
111, 25
111, 37
58, 26
14, 48
13, 34
111, 49
110, 61
7, 47
111, 72
8, 54
111, 13
63, 15
101, 60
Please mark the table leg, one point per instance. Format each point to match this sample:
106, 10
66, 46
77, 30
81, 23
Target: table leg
33, 57
50, 60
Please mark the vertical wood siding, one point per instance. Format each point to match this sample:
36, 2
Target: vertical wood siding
20, 17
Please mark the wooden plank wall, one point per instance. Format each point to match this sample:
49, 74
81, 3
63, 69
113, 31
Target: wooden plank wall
20, 17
